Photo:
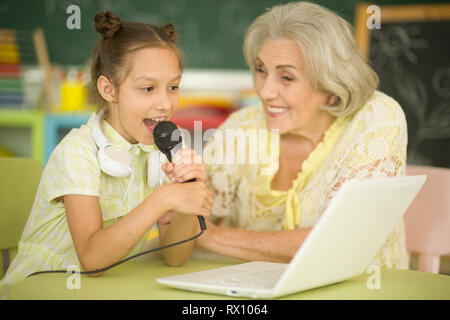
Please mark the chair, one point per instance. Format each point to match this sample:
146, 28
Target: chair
18, 185
427, 220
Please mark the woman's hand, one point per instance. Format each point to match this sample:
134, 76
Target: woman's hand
185, 166
206, 237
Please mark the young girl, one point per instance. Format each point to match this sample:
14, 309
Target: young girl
86, 217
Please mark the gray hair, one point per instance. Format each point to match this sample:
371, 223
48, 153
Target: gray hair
334, 60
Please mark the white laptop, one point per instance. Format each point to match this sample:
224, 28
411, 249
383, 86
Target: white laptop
342, 244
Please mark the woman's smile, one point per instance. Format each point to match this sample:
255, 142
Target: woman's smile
275, 111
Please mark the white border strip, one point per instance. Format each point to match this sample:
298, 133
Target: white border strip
216, 80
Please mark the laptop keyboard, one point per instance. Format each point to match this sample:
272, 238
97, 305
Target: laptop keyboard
259, 280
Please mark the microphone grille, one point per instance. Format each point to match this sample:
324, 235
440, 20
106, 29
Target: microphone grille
165, 137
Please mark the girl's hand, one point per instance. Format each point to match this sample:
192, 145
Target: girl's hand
185, 166
189, 198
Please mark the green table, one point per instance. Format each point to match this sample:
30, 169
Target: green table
136, 280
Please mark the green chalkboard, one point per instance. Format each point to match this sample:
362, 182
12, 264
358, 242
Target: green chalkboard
211, 32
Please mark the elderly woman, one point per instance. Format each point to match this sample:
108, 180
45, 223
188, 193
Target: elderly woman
320, 94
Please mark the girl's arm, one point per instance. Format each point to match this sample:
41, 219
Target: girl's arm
98, 247
176, 226
179, 228
275, 246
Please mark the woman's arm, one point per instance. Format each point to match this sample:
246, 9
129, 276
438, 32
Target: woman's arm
275, 246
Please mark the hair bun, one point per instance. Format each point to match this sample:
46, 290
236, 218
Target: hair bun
107, 24
169, 30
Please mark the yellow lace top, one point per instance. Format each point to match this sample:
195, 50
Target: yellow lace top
371, 143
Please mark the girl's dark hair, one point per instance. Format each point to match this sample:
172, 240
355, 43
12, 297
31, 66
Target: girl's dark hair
119, 39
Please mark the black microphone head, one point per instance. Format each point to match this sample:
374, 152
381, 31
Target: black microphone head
166, 135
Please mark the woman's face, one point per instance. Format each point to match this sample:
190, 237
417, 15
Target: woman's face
290, 101
147, 95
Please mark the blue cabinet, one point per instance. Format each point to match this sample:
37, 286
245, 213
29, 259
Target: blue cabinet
57, 125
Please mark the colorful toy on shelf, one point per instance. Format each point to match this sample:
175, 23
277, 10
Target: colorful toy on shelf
72, 82
11, 82
18, 48
73, 95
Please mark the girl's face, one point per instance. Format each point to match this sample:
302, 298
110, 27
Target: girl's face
148, 94
290, 101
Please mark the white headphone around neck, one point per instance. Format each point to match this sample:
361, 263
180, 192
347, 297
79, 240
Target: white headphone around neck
116, 162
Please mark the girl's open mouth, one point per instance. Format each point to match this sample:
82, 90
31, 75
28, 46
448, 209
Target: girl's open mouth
151, 124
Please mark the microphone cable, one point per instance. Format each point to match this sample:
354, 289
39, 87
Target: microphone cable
202, 227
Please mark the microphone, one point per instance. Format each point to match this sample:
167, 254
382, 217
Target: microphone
167, 138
